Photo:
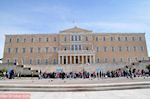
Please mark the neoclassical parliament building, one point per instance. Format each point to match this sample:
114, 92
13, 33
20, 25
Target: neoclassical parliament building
75, 46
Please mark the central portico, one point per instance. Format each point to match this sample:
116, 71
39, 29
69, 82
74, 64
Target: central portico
76, 57
79, 50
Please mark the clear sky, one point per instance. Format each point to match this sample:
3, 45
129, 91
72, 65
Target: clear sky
51, 16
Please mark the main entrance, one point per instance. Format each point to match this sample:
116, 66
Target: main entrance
88, 59
77, 61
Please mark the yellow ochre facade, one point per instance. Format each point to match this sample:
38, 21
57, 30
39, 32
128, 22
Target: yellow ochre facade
75, 46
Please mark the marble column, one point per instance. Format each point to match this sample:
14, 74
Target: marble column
86, 59
82, 59
90, 59
70, 59
66, 59
74, 59
58, 59
62, 59
78, 59
93, 59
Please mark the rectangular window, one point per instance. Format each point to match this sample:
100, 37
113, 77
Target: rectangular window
23, 50
15, 60
32, 40
47, 39
10, 40
121, 59
9, 50
97, 49
79, 38
31, 50
98, 60
112, 49
86, 38
72, 38
136, 59
104, 38
141, 48
119, 39
38, 61
120, 48
39, 39
140, 38
134, 48
126, 38
133, 38
54, 49
54, 61
39, 50
76, 38
30, 61
114, 60
16, 50
111, 39
54, 39
96, 38
80, 48
76, 47
8, 60
46, 49
127, 48
46, 61
87, 48
17, 40
105, 48
143, 58
65, 39
72, 47
25, 40
106, 60
128, 59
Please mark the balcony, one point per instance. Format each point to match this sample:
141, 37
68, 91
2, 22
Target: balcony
75, 42
76, 52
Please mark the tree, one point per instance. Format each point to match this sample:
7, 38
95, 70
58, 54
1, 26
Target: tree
148, 67
4, 70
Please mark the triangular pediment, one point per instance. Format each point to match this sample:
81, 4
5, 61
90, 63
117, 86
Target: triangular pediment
75, 29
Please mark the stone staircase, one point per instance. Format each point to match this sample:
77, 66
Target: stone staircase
18, 68
138, 65
76, 67
28, 69
88, 67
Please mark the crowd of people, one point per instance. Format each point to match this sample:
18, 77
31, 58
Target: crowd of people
9, 74
128, 73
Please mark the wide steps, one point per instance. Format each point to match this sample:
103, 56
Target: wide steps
74, 88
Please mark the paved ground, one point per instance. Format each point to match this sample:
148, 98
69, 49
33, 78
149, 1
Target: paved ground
72, 81
109, 94
121, 94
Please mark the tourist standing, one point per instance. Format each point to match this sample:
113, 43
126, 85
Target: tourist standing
32, 74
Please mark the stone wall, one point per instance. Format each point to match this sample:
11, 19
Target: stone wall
17, 68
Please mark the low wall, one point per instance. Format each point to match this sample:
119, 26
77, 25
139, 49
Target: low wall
90, 68
28, 69
17, 68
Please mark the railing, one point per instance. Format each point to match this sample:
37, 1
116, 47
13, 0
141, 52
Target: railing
76, 42
76, 52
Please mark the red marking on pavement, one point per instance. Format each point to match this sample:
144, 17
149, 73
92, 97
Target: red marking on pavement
14, 96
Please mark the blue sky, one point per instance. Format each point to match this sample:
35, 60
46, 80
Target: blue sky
51, 16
